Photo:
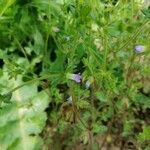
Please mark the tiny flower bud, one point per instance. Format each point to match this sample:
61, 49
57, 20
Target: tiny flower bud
94, 27
89, 82
67, 38
69, 100
55, 29
97, 43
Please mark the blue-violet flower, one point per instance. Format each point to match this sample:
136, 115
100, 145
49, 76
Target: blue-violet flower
139, 48
75, 77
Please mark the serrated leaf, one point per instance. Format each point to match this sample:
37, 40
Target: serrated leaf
97, 128
146, 12
141, 99
145, 135
101, 96
82, 104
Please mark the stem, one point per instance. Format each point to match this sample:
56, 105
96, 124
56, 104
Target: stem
31, 81
77, 113
90, 140
105, 53
75, 109
45, 57
22, 49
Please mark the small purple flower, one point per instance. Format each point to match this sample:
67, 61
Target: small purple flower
139, 48
75, 77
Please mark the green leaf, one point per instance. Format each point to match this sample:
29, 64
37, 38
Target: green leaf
127, 128
142, 100
101, 96
97, 128
4, 5
5, 98
146, 12
145, 135
82, 104
23, 119
38, 42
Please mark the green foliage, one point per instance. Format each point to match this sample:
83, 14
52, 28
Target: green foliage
145, 135
105, 98
146, 12
23, 119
